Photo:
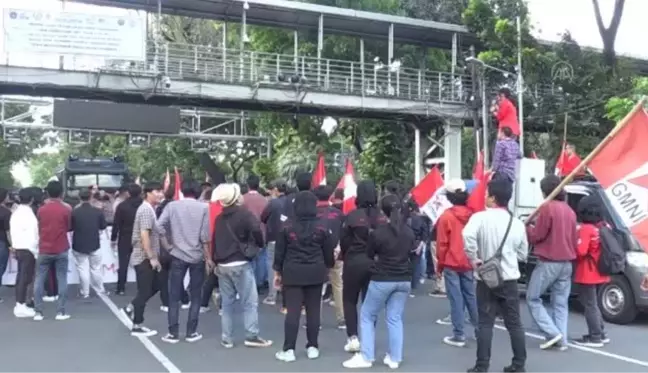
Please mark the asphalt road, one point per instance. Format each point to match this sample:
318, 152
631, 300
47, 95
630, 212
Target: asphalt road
95, 340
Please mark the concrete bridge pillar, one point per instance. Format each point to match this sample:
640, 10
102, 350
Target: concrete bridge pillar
452, 149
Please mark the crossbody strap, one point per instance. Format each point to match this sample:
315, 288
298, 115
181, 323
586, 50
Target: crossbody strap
232, 233
498, 253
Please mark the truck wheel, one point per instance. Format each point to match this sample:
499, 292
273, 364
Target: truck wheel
617, 302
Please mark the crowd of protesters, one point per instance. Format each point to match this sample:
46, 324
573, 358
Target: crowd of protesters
297, 244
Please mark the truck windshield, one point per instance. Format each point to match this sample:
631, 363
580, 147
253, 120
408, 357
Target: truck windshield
102, 180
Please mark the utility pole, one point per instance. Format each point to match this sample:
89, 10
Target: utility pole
520, 83
485, 118
475, 96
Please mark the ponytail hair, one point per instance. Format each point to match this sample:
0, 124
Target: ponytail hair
392, 207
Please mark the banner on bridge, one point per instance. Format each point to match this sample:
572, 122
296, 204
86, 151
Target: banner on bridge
64, 33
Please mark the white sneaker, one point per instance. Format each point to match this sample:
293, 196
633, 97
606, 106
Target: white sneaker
38, 316
62, 316
186, 306
551, 341
390, 363
22, 311
352, 345
312, 352
204, 309
164, 308
50, 299
357, 362
286, 356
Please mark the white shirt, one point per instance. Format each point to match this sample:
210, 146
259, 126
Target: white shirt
23, 227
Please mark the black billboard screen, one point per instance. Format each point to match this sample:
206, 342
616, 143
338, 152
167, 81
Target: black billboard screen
99, 115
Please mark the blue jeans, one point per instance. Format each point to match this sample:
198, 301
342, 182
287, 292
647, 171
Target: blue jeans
460, 287
177, 271
4, 258
238, 279
270, 251
557, 278
260, 265
42, 268
423, 264
390, 296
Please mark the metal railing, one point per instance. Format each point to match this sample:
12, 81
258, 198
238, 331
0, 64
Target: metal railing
215, 64
245, 67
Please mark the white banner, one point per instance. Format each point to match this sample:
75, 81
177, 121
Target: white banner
64, 33
109, 266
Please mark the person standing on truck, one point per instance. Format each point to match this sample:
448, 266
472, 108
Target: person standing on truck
555, 238
587, 274
506, 112
507, 153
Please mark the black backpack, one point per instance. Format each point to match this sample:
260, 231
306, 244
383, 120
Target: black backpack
613, 258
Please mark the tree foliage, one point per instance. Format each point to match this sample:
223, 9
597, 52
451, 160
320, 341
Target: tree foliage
589, 98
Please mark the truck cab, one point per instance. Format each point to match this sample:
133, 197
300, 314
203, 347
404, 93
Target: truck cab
621, 299
81, 173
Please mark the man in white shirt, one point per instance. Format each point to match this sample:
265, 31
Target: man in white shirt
496, 234
24, 232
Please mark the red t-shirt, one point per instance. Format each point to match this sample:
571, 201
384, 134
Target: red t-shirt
53, 227
569, 164
507, 116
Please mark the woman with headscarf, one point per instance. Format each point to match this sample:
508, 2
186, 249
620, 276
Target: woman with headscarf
389, 288
357, 262
303, 256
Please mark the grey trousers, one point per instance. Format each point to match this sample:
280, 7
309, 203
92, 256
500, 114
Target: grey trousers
272, 291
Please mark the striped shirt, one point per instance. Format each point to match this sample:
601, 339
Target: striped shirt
144, 221
507, 152
187, 221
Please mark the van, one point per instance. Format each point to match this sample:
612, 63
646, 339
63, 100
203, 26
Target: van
621, 299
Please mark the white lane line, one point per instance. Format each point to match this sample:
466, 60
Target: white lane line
148, 344
595, 351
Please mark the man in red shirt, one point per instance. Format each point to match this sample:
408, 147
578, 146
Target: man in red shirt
506, 112
53, 245
570, 161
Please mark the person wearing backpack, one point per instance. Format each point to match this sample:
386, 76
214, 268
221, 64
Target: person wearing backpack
587, 273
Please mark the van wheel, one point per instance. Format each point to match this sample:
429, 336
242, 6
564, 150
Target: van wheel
617, 302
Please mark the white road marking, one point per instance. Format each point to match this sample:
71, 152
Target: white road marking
148, 344
595, 351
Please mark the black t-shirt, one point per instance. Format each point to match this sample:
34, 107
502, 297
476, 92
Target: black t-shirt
5, 216
87, 222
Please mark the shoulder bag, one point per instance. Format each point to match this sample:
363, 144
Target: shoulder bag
490, 271
249, 249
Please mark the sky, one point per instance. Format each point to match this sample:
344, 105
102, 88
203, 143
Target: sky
550, 19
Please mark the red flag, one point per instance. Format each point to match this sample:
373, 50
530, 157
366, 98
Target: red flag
621, 167
167, 181
477, 198
348, 184
534, 155
319, 176
215, 208
178, 185
428, 195
478, 168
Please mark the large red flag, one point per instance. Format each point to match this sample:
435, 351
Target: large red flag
621, 167
477, 198
319, 176
178, 186
478, 168
348, 184
428, 195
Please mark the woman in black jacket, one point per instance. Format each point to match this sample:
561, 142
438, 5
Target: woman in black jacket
391, 274
303, 256
357, 263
